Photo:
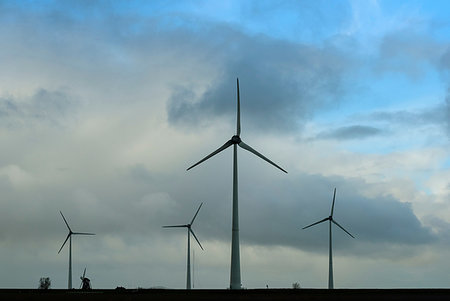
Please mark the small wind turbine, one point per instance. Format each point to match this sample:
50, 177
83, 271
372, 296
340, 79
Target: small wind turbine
69, 237
331, 220
235, 273
189, 228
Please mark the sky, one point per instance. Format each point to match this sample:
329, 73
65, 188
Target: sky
105, 104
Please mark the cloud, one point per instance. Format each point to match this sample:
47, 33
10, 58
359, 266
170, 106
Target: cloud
53, 108
436, 116
119, 171
429, 115
408, 52
444, 64
447, 111
282, 84
350, 132
137, 203
396, 222
444, 61
273, 216
285, 18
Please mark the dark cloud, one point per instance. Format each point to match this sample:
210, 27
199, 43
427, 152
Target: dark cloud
270, 215
274, 215
350, 132
380, 220
281, 84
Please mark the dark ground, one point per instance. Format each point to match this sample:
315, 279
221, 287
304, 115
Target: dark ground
219, 295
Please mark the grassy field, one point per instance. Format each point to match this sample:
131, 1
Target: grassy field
218, 295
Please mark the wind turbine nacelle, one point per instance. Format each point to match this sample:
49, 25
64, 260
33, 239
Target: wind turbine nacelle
236, 139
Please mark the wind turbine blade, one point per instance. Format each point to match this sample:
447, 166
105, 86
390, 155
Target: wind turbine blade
65, 221
332, 206
247, 147
238, 127
336, 223
175, 226
190, 230
227, 144
68, 235
84, 273
321, 221
196, 213
82, 233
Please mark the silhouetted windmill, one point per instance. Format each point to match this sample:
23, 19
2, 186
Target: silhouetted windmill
189, 231
235, 273
331, 220
85, 282
69, 237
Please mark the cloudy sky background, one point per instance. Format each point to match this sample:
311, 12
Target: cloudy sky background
104, 105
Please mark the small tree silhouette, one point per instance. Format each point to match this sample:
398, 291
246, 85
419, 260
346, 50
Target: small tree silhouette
44, 283
295, 285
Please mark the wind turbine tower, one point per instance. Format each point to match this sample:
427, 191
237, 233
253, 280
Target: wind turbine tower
189, 232
69, 237
330, 258
235, 272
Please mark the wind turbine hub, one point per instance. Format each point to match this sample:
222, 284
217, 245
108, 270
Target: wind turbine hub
236, 139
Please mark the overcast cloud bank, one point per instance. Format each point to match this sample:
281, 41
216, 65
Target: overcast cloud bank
103, 106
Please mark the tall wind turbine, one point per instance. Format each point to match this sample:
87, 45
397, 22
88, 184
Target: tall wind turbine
69, 237
189, 231
235, 273
331, 220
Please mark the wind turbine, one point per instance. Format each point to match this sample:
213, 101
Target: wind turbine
69, 237
235, 273
189, 229
331, 220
